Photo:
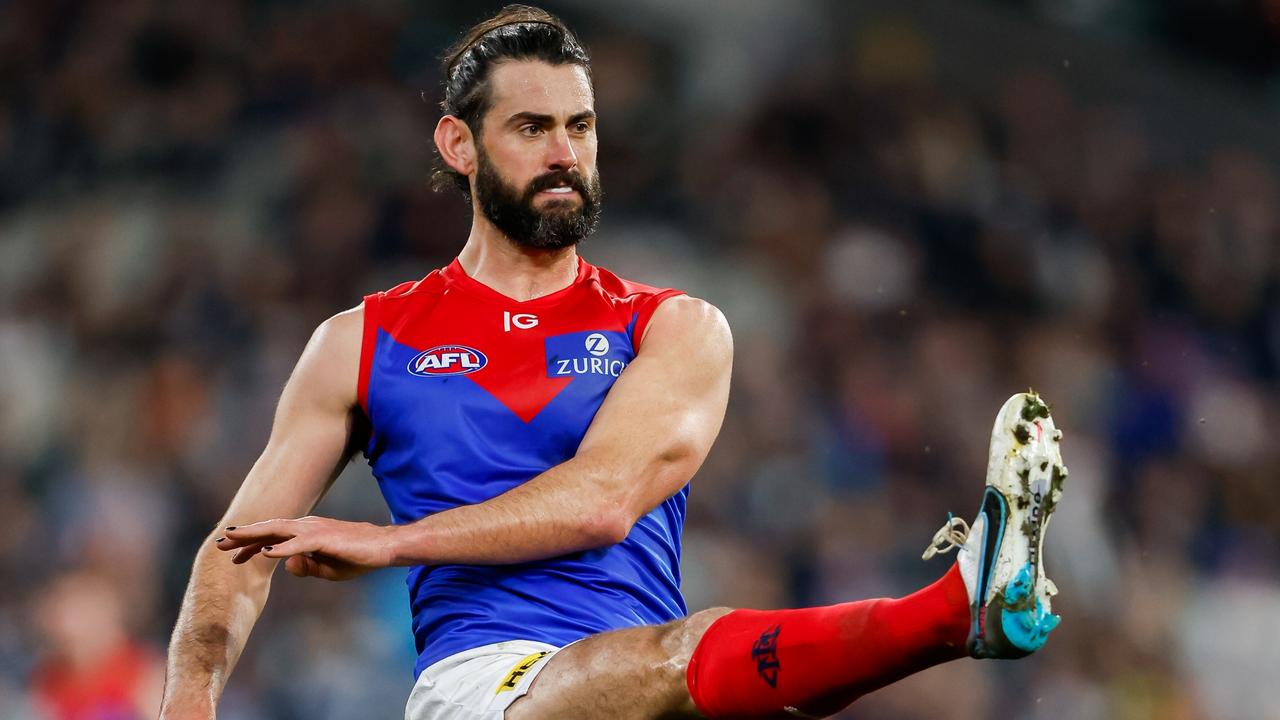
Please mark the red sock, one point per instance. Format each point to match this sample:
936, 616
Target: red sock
753, 663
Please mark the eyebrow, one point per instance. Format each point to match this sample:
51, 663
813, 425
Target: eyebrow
542, 119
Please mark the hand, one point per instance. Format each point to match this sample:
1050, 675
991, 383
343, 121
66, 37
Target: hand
313, 546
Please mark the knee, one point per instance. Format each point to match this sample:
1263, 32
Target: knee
698, 622
678, 642
682, 636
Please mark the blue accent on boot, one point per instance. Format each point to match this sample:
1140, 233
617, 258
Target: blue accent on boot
1026, 629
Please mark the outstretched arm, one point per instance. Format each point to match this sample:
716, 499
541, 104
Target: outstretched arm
649, 437
307, 449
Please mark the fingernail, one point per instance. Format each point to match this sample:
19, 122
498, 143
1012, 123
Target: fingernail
218, 540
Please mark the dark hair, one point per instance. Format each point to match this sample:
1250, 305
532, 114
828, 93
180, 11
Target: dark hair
517, 32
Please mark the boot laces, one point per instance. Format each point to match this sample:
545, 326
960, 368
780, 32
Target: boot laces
949, 537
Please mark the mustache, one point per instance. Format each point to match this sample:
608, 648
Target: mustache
558, 178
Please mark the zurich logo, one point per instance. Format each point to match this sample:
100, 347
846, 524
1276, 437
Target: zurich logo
447, 360
597, 344
592, 353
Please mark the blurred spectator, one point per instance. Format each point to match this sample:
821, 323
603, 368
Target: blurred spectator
92, 669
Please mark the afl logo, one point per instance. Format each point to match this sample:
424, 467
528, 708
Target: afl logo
447, 360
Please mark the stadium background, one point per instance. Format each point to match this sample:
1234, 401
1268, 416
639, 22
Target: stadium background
908, 210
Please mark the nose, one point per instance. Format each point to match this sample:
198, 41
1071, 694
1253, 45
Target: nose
560, 152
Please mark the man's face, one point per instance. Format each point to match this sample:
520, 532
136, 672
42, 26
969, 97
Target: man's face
536, 178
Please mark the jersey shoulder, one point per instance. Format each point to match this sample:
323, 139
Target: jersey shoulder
412, 296
636, 302
432, 284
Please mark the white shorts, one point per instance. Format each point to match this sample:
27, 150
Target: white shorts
478, 684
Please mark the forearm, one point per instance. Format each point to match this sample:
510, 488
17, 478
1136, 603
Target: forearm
569, 508
220, 607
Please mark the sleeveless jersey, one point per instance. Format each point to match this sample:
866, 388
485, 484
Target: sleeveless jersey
470, 393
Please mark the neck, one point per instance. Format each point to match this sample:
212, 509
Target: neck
520, 273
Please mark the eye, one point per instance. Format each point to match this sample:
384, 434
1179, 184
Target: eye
530, 130
582, 127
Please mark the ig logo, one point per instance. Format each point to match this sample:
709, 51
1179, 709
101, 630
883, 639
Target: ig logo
597, 344
522, 321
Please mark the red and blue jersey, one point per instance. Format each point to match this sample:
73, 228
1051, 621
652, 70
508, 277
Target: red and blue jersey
470, 393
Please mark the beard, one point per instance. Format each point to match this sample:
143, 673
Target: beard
558, 224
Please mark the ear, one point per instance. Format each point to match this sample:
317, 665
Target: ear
456, 144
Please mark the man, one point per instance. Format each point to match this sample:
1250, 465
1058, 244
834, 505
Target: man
533, 423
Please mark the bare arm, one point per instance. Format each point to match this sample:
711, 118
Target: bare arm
307, 449
649, 437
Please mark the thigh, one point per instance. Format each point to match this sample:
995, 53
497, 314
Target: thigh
632, 674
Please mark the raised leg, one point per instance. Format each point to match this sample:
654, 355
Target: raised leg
753, 663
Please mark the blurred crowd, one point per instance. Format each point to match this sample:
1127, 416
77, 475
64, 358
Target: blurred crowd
188, 188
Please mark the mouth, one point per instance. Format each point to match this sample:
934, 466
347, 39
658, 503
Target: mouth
558, 192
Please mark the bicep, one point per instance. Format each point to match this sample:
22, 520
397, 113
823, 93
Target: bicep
313, 426
662, 415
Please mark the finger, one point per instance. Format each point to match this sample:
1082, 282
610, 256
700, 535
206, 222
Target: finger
329, 568
246, 553
225, 543
300, 566
263, 530
319, 566
309, 566
230, 543
328, 571
295, 546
